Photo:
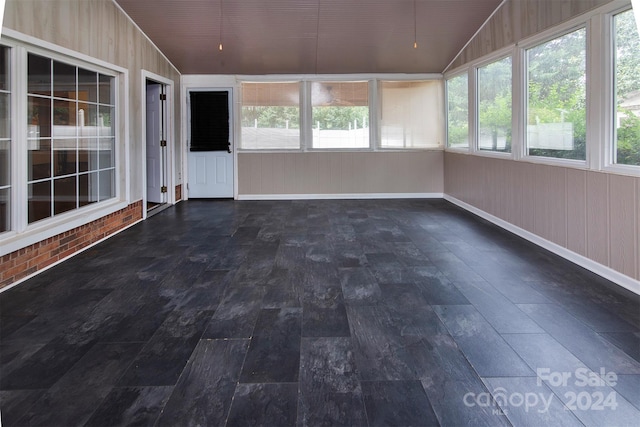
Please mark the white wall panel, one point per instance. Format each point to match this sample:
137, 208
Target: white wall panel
593, 214
340, 173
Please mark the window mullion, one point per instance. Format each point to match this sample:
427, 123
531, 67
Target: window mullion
519, 104
473, 109
596, 91
374, 123
306, 131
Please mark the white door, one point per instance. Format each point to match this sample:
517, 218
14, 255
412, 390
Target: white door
155, 147
210, 166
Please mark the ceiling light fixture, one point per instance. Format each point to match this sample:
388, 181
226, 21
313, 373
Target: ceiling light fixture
415, 26
220, 37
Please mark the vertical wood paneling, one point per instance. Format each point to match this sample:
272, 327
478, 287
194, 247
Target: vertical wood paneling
622, 224
594, 214
513, 188
576, 211
491, 176
528, 174
597, 217
550, 203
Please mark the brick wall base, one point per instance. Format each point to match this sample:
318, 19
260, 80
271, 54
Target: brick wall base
26, 261
178, 192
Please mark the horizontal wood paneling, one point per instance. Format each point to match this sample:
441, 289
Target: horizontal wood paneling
593, 214
340, 173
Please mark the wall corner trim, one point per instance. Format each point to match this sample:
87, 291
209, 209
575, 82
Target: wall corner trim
602, 270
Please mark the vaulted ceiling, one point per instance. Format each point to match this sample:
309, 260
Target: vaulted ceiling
309, 36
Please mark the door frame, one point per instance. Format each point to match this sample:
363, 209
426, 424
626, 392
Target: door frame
169, 135
186, 128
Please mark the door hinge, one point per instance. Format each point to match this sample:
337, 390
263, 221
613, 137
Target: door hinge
163, 143
163, 97
163, 189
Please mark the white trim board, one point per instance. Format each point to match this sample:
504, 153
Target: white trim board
340, 196
602, 270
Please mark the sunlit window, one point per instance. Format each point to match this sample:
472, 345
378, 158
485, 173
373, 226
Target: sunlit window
411, 114
627, 89
556, 97
458, 112
494, 106
340, 114
270, 116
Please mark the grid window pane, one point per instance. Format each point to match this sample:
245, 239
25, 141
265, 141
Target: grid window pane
5, 163
105, 122
39, 117
64, 80
87, 189
71, 137
627, 89
106, 153
87, 120
270, 116
4, 68
64, 119
340, 114
39, 159
494, 106
411, 114
87, 86
106, 90
87, 154
556, 107
39, 202
106, 184
64, 194
64, 157
5, 115
39, 75
5, 209
458, 111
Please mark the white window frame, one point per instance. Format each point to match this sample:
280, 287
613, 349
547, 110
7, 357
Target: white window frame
301, 89
607, 152
306, 136
465, 70
373, 114
12, 145
600, 142
379, 100
21, 233
542, 38
496, 56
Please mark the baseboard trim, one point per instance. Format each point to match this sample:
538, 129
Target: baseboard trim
340, 196
602, 270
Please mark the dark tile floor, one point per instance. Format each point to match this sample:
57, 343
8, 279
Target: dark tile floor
378, 313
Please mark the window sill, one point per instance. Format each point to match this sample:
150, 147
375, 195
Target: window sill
42, 230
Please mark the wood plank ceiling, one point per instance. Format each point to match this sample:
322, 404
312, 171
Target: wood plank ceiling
309, 36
